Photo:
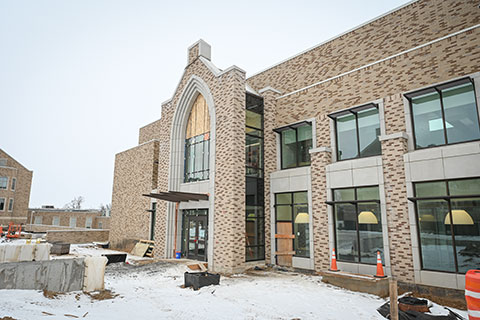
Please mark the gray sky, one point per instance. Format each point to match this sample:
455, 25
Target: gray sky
78, 78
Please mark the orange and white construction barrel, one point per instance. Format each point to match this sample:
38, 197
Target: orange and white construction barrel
472, 294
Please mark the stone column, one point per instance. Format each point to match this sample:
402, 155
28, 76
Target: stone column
270, 157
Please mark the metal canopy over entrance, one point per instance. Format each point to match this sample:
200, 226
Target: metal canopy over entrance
198, 226
176, 196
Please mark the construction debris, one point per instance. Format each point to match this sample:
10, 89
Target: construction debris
143, 248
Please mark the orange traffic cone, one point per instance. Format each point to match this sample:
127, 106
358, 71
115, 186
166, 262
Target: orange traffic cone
380, 273
333, 266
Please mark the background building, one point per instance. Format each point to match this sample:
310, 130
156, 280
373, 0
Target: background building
367, 142
15, 184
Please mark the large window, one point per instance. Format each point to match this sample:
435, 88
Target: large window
295, 143
448, 217
254, 193
358, 224
445, 114
291, 213
357, 131
3, 183
197, 142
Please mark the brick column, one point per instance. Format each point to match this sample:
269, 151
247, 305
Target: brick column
320, 158
270, 157
394, 147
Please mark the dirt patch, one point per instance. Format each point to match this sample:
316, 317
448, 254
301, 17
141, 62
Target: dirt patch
50, 294
7, 318
443, 301
102, 295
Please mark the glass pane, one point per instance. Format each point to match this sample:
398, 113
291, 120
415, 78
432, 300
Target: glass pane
206, 154
346, 232
302, 232
430, 189
283, 198
284, 213
255, 253
346, 137
466, 226
369, 130
254, 132
368, 193
253, 119
253, 152
464, 187
370, 230
300, 197
289, 149
435, 236
304, 144
343, 194
254, 191
198, 157
428, 122
254, 211
255, 232
461, 113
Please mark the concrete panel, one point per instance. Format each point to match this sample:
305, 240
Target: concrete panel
339, 179
340, 166
365, 162
299, 182
439, 279
426, 154
426, 170
461, 149
302, 263
280, 185
94, 273
365, 176
462, 166
61, 275
16, 252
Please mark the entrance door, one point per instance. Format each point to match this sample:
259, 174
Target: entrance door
197, 237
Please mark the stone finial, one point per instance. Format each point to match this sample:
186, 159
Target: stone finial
199, 48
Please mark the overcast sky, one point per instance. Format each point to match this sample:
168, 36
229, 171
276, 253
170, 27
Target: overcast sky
78, 78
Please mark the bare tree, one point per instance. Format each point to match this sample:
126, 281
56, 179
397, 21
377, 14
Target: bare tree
105, 209
75, 204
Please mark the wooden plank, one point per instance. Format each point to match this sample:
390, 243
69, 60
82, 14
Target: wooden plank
140, 249
285, 236
202, 267
285, 253
196, 266
284, 244
147, 241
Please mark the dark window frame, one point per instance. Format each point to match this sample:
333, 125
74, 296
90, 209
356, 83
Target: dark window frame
355, 203
295, 127
354, 111
203, 171
438, 89
446, 198
291, 204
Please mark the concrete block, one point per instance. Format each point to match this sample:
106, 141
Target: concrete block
340, 166
341, 179
365, 176
461, 149
426, 154
439, 279
94, 273
299, 182
462, 166
360, 283
427, 170
364, 162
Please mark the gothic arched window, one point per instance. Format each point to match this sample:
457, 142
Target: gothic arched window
197, 142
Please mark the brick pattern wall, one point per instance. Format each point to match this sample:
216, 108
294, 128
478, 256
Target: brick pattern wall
150, 132
132, 177
77, 236
413, 25
397, 209
64, 216
21, 194
270, 160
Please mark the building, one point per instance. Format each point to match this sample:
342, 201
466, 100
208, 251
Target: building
50, 218
15, 185
367, 142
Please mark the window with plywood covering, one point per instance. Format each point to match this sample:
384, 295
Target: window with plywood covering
197, 142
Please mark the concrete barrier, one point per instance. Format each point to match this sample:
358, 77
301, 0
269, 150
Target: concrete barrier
16, 252
77, 236
60, 275
94, 273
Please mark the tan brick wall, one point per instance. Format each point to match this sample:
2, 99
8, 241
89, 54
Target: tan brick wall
77, 236
149, 132
413, 25
105, 222
64, 216
133, 176
21, 194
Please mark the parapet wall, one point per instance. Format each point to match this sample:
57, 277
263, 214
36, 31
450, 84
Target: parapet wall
77, 236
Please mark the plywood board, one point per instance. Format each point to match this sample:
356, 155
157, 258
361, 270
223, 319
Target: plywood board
140, 249
284, 244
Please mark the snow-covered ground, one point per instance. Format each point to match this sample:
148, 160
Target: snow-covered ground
153, 291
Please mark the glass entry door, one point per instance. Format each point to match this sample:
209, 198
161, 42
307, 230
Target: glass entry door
195, 234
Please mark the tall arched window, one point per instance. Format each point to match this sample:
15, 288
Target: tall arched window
197, 142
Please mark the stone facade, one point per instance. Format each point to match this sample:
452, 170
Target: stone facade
423, 43
20, 195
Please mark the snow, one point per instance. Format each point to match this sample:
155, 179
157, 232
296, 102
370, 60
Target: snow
153, 291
